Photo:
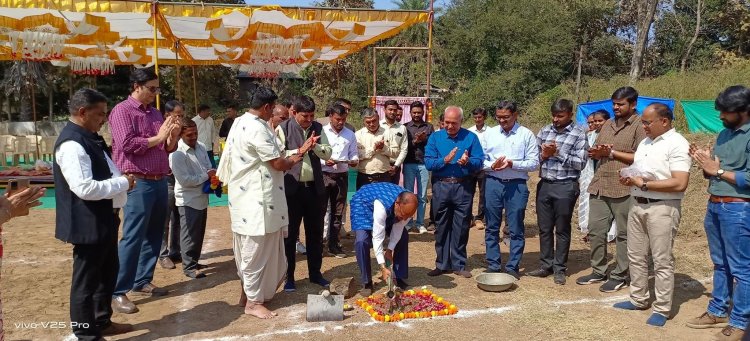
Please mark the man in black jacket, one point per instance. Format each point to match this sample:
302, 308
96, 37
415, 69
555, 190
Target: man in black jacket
89, 190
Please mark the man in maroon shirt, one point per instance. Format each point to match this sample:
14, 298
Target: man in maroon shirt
141, 141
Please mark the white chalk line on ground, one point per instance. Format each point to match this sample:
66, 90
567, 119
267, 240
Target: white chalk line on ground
408, 323
329, 326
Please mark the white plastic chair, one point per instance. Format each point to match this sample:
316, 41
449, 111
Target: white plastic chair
7, 145
47, 147
22, 147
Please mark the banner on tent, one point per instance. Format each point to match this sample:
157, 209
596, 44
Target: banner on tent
702, 116
586, 109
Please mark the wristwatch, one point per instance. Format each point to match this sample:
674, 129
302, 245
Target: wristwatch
719, 173
612, 154
644, 187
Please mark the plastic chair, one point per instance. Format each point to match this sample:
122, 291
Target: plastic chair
7, 145
47, 147
22, 147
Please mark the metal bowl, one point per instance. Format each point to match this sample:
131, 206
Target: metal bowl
496, 282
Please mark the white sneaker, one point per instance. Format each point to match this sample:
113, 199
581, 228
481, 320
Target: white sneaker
301, 248
422, 229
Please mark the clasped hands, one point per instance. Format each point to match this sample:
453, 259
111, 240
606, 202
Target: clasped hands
461, 161
600, 151
702, 157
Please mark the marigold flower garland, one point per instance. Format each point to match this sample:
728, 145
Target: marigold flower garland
414, 304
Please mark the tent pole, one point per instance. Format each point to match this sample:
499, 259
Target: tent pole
30, 80
154, 9
374, 75
429, 54
177, 76
195, 92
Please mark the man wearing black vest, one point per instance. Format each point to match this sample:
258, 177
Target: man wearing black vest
89, 190
304, 187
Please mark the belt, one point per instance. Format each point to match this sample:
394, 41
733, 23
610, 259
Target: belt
642, 200
306, 183
147, 176
720, 199
560, 181
507, 180
451, 180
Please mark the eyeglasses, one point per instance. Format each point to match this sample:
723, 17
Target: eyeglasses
153, 89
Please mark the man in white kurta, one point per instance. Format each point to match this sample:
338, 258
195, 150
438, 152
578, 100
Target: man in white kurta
258, 210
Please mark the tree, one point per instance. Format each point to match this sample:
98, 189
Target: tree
644, 19
21, 81
685, 56
503, 49
592, 18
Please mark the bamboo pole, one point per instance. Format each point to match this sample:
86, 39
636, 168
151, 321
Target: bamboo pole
374, 75
154, 8
429, 50
32, 95
429, 58
177, 75
195, 92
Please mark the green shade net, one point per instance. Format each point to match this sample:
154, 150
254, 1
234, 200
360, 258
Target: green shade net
702, 117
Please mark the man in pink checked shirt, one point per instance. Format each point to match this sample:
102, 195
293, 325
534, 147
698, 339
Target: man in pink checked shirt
141, 141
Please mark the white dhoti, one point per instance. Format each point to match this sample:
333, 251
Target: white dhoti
261, 264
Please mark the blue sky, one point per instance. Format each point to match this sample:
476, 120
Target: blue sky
379, 4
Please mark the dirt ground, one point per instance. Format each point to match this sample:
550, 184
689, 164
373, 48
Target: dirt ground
37, 269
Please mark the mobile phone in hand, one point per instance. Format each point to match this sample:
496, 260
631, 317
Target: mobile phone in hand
17, 185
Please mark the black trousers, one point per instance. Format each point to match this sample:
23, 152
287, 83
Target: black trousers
305, 204
366, 179
555, 202
95, 268
192, 232
337, 185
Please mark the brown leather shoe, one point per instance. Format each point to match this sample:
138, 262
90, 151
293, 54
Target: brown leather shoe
730, 333
149, 290
117, 328
122, 304
706, 320
166, 263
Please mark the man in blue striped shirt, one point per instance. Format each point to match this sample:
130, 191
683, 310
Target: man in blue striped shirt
511, 153
563, 147
452, 154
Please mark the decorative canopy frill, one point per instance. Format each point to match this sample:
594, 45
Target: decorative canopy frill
268, 39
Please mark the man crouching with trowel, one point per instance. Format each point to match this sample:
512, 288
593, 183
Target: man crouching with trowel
377, 209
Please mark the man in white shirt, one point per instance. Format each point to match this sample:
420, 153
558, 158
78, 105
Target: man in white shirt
336, 173
253, 167
396, 139
374, 157
206, 130
376, 210
652, 222
191, 169
89, 191
480, 128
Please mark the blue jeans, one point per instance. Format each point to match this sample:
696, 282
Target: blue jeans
417, 172
142, 230
511, 196
728, 233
